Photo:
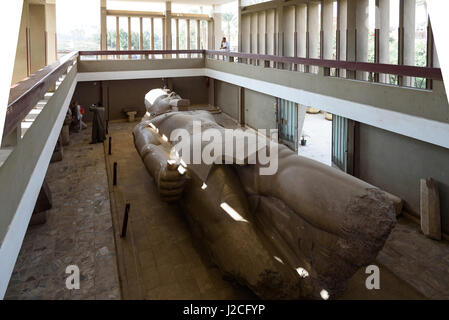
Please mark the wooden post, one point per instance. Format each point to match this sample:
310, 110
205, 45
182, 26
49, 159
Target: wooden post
430, 209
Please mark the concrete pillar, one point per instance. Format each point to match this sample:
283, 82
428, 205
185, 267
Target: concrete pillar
50, 33
117, 34
168, 35
362, 25
301, 32
239, 31
210, 35
188, 34
22, 59
163, 34
382, 50
351, 32
129, 33
141, 33
342, 33
327, 30
313, 33
198, 34
152, 33
218, 32
37, 37
103, 28
406, 37
177, 34
280, 31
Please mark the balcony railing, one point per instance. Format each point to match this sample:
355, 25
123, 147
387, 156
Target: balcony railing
25, 95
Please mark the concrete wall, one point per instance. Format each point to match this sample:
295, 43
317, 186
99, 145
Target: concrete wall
396, 163
227, 98
37, 36
131, 93
259, 110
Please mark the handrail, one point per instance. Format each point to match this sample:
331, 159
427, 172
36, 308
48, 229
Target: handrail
138, 52
27, 93
400, 70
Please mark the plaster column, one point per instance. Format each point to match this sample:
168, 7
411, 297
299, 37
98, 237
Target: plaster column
313, 33
198, 34
141, 33
327, 30
351, 33
218, 33
342, 33
382, 50
188, 33
22, 58
152, 33
129, 33
38, 45
50, 33
301, 32
210, 35
362, 25
168, 35
239, 31
407, 37
104, 31
117, 34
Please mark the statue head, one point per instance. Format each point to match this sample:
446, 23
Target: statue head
159, 101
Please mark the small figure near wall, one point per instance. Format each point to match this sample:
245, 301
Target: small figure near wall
77, 113
98, 126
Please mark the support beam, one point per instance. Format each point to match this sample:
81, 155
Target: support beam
218, 32
301, 32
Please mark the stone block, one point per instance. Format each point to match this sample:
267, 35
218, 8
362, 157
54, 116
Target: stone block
430, 209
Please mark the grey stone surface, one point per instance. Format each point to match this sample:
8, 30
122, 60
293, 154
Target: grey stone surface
78, 232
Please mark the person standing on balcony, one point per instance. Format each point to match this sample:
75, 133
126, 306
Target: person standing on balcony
225, 46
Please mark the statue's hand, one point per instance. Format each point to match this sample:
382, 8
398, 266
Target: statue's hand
170, 183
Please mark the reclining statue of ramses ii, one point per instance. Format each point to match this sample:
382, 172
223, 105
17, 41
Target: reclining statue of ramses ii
299, 233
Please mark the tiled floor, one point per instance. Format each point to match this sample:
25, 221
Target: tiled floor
78, 232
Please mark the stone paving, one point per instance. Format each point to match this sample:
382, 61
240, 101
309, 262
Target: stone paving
78, 232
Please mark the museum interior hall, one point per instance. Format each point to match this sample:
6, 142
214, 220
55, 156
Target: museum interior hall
224, 150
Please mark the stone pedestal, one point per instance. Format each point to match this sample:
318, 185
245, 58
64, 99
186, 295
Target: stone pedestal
58, 152
131, 116
430, 209
65, 135
43, 203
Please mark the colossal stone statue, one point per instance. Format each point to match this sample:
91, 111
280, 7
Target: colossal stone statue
301, 232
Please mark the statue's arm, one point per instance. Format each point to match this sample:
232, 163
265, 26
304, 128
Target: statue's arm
155, 155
